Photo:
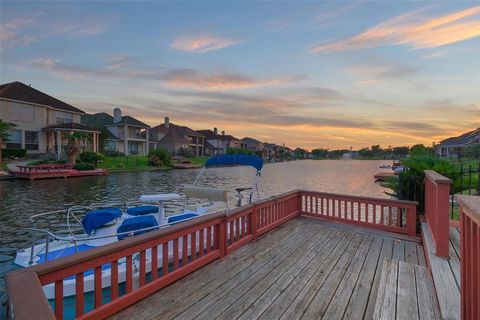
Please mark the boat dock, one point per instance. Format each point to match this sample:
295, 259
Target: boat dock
48, 171
299, 255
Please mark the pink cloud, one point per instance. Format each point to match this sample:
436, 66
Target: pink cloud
412, 30
201, 44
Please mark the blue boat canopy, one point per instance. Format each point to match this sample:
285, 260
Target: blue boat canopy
136, 223
235, 159
98, 218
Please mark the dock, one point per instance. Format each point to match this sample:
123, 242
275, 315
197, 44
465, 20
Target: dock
299, 255
54, 171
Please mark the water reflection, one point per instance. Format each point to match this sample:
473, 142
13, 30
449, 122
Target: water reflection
19, 199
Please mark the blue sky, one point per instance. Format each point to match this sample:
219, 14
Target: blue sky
308, 74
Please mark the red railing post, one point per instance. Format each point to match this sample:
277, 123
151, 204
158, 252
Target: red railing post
437, 193
254, 222
470, 256
299, 203
222, 237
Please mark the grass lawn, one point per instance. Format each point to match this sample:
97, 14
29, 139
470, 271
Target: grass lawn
3, 165
199, 160
126, 163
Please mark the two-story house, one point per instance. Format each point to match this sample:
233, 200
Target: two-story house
42, 123
174, 138
123, 134
255, 146
220, 142
455, 146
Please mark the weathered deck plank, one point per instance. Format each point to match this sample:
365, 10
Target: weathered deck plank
306, 269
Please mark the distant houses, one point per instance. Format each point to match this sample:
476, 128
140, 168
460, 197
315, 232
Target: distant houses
123, 134
178, 140
43, 124
456, 146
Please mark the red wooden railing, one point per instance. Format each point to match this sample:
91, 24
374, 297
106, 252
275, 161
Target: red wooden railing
382, 214
212, 236
470, 256
437, 192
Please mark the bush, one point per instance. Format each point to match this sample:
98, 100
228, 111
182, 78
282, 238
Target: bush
155, 161
14, 153
90, 157
84, 166
185, 153
163, 155
112, 153
231, 150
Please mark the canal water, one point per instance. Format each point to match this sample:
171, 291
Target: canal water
20, 199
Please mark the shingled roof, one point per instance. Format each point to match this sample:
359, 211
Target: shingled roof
175, 133
461, 140
102, 119
210, 135
21, 92
70, 126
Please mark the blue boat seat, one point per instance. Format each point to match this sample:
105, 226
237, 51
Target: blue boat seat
136, 223
181, 217
142, 210
98, 218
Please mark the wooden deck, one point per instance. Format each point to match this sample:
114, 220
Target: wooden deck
307, 269
446, 273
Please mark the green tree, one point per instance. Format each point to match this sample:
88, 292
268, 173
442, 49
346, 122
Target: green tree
231, 150
473, 151
400, 152
73, 146
4, 135
159, 157
420, 150
320, 153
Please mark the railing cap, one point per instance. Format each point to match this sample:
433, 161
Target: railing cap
354, 197
472, 204
436, 177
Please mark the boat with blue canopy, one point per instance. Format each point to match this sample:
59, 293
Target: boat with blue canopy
89, 227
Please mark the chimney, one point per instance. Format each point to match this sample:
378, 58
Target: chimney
215, 131
117, 115
167, 122
223, 132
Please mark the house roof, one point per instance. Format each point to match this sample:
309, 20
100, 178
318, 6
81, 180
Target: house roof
181, 130
21, 92
461, 140
209, 134
251, 140
70, 126
102, 119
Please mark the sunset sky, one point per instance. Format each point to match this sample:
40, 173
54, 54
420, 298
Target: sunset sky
307, 74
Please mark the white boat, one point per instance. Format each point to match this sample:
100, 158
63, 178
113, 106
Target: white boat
101, 225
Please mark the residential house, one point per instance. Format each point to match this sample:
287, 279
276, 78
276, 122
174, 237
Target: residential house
123, 134
221, 142
255, 146
175, 138
43, 123
455, 146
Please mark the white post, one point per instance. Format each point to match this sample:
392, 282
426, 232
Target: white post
125, 139
59, 144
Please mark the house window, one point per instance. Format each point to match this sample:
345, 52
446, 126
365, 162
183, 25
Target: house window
64, 117
110, 145
31, 140
14, 139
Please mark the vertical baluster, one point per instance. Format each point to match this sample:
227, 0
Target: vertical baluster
165, 258
193, 248
154, 262
175, 254
237, 222
185, 251
328, 206
142, 268
201, 243
59, 299
389, 215
399, 217
382, 212
209, 239
129, 284
79, 300
97, 293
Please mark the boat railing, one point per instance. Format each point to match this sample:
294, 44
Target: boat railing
183, 248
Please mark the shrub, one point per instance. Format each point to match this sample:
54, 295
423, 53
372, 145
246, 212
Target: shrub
162, 155
185, 153
14, 153
84, 166
90, 157
155, 161
231, 150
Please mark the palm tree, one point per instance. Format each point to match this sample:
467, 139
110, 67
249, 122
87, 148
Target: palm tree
73, 146
4, 135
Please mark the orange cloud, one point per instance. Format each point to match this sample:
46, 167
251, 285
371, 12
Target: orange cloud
190, 79
201, 44
412, 30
